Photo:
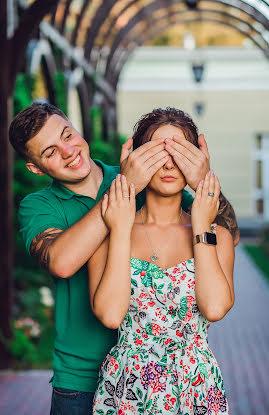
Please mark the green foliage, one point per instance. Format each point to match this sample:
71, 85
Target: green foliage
60, 87
265, 240
23, 92
260, 258
21, 347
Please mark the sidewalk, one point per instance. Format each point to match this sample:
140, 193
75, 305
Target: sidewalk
240, 343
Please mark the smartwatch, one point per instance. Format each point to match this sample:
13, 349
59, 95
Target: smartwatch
206, 238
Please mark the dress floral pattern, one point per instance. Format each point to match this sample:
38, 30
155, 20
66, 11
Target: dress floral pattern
162, 363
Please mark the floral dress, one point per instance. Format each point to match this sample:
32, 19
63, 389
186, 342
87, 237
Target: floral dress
162, 363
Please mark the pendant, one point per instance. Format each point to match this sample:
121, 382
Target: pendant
154, 257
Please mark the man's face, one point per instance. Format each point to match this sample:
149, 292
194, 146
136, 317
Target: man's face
59, 151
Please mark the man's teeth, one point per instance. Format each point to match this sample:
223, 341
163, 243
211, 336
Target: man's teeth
74, 162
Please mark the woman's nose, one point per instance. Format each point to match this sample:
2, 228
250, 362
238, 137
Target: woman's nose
169, 165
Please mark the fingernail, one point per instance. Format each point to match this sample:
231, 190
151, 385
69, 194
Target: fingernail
132, 185
123, 177
105, 196
209, 173
162, 140
118, 176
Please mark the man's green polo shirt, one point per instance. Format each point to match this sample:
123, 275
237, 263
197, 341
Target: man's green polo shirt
81, 341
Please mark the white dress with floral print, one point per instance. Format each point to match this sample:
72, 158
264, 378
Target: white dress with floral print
162, 363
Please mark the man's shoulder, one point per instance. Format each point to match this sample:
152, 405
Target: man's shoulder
39, 196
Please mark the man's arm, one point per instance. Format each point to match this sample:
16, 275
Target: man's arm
64, 252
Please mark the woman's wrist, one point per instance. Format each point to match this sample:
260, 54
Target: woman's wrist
121, 232
199, 228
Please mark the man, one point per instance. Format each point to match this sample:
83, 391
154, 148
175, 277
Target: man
62, 227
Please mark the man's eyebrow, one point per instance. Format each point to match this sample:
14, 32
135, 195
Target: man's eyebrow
45, 149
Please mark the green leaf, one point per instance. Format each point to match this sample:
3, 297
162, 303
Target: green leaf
141, 410
134, 282
100, 411
137, 272
140, 404
202, 369
129, 321
147, 280
183, 308
149, 404
139, 392
160, 286
148, 328
157, 274
110, 412
136, 263
145, 265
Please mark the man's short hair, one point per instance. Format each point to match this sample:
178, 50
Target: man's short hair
28, 123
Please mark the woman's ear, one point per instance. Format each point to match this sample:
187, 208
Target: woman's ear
34, 169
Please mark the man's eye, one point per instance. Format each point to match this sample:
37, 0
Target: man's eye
69, 135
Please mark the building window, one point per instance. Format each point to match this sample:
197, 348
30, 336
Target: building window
261, 170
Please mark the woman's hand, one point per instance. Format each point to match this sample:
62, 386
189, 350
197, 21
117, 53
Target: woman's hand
205, 207
118, 208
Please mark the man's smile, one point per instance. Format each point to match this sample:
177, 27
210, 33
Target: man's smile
75, 161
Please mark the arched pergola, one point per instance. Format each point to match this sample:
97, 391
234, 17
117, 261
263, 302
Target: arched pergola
96, 38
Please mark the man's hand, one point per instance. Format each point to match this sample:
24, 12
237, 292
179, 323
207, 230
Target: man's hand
139, 166
193, 162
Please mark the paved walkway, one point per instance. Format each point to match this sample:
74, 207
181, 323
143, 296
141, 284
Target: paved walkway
240, 343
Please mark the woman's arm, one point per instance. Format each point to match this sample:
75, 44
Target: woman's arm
213, 264
109, 267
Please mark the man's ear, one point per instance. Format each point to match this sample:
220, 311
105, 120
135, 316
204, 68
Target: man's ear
34, 169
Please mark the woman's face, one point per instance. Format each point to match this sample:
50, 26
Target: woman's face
168, 180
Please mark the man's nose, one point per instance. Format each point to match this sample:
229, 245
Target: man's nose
66, 150
169, 165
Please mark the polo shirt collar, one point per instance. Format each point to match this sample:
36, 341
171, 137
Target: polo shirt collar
63, 193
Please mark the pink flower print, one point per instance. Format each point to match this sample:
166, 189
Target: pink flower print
192, 360
188, 316
182, 277
138, 342
143, 295
156, 329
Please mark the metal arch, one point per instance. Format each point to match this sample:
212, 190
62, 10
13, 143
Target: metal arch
133, 39
99, 18
66, 12
157, 5
164, 27
114, 20
79, 20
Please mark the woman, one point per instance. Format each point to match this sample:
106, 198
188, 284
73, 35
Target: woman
162, 363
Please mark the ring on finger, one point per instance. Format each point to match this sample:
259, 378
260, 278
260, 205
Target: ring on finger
126, 197
211, 194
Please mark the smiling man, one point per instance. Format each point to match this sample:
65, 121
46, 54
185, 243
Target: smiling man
62, 227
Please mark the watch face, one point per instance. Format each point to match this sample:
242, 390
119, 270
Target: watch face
211, 238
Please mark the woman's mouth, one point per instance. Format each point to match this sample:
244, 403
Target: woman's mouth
168, 179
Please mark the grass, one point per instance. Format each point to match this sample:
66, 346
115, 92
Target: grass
258, 256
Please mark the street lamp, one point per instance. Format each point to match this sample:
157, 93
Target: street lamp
198, 71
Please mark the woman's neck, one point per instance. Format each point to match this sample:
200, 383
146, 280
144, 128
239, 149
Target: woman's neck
162, 210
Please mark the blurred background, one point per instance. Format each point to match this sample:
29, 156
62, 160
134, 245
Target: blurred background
105, 63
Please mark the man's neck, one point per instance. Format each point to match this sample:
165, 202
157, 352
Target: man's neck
90, 185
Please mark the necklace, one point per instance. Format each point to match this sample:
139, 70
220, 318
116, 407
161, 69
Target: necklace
154, 257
